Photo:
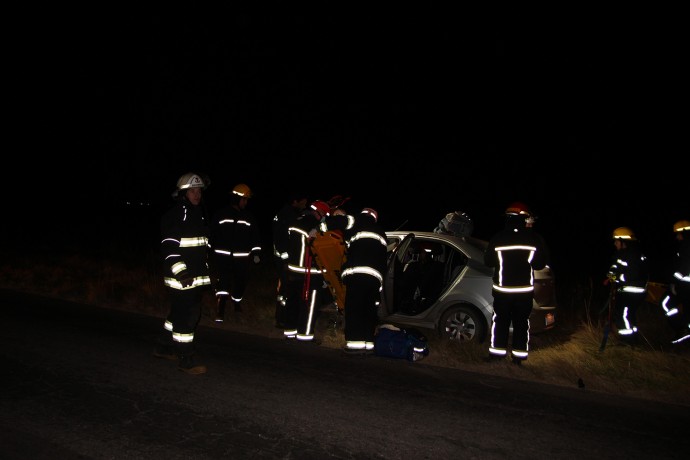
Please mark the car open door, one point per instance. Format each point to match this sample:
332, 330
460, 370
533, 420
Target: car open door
393, 276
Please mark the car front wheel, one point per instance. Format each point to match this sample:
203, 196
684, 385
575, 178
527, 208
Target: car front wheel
464, 324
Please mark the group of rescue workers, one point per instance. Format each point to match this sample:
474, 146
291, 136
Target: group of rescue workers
191, 246
199, 255
361, 273
628, 277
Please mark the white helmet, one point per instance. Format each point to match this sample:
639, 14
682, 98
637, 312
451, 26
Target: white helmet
189, 180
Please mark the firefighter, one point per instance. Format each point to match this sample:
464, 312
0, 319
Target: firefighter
305, 279
676, 300
629, 272
292, 209
236, 242
362, 275
515, 253
185, 249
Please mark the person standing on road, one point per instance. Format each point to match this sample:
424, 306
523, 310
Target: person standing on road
676, 300
362, 275
236, 241
629, 272
281, 223
185, 249
305, 279
515, 253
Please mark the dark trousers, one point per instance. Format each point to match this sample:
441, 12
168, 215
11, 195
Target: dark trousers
302, 304
625, 312
182, 320
233, 275
361, 316
515, 309
281, 291
680, 322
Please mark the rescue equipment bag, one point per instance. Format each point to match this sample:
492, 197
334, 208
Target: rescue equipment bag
393, 342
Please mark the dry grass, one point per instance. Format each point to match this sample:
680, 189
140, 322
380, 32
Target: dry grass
565, 356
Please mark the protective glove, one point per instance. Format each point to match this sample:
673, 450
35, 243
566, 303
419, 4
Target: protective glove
185, 278
257, 259
606, 282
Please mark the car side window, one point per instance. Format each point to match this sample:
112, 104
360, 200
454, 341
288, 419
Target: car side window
456, 263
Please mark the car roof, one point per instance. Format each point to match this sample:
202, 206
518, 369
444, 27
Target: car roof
472, 246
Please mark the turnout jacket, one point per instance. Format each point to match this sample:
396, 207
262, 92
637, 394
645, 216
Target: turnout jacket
515, 252
184, 245
681, 272
365, 244
281, 224
234, 234
629, 270
300, 258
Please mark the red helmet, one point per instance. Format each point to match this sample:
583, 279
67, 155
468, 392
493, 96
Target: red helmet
321, 207
337, 201
518, 208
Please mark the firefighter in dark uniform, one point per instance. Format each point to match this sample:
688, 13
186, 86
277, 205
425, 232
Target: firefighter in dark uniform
676, 300
362, 275
629, 272
305, 279
515, 253
184, 248
236, 242
281, 223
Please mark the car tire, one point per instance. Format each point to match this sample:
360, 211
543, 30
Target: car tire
464, 324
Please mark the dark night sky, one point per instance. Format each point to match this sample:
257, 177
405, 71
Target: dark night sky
416, 115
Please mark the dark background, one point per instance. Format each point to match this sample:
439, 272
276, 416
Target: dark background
418, 113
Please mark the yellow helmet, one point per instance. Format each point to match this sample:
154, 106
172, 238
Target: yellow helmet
681, 226
623, 233
242, 190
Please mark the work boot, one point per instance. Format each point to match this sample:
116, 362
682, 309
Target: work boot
220, 310
164, 352
629, 340
186, 364
347, 351
681, 337
517, 361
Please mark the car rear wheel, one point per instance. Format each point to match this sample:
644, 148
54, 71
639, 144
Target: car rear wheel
464, 324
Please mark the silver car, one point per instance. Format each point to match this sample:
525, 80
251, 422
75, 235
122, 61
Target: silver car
439, 282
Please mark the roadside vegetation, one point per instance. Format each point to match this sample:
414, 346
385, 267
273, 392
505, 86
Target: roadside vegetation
567, 355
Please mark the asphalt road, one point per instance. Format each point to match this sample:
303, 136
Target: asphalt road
80, 382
